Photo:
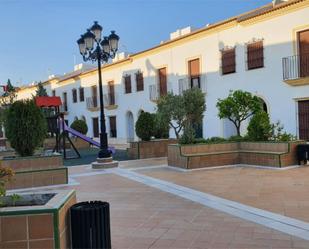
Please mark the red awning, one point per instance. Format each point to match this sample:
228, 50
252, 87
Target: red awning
48, 101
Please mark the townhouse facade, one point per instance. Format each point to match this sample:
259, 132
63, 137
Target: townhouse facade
264, 51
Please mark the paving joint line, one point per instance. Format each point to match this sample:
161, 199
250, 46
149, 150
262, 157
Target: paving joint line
275, 221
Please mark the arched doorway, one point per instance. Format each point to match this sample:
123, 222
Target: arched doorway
130, 126
264, 105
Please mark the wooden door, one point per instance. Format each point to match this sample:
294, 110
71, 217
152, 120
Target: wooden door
303, 46
111, 93
162, 81
95, 127
194, 72
112, 126
303, 119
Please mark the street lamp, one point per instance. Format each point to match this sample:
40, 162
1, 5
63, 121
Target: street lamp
93, 48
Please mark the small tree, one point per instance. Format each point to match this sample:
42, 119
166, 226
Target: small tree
180, 111
40, 91
238, 106
161, 126
25, 127
9, 96
144, 126
194, 105
171, 109
260, 128
80, 126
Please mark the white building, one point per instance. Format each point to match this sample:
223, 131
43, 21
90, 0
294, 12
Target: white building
265, 52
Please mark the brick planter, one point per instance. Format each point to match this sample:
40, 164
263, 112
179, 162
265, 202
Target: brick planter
149, 149
43, 226
36, 171
79, 143
274, 154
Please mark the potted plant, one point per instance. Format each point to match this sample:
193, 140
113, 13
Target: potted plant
25, 128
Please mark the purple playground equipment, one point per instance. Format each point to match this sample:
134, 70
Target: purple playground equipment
85, 138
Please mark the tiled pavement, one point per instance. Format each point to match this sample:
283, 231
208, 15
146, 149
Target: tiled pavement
281, 191
145, 217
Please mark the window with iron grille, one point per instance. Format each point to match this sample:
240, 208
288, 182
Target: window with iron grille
74, 95
127, 84
54, 93
228, 61
139, 81
81, 94
255, 55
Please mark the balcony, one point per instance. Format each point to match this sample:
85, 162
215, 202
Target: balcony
296, 70
110, 101
92, 103
187, 83
155, 92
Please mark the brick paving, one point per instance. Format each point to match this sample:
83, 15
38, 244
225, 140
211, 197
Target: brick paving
144, 217
281, 191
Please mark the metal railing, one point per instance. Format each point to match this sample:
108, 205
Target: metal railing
110, 99
185, 84
295, 67
155, 92
92, 102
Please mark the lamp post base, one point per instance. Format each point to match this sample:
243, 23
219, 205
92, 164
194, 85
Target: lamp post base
103, 153
105, 163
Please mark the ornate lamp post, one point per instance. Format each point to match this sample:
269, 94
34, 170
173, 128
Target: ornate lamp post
95, 48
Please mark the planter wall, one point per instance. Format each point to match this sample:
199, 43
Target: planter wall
149, 149
79, 143
36, 171
45, 226
275, 154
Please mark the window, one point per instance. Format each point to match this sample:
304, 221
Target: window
74, 95
54, 93
228, 61
111, 93
139, 81
194, 73
127, 84
255, 55
65, 102
162, 81
81, 94
112, 126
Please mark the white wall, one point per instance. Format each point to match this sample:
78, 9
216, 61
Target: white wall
277, 34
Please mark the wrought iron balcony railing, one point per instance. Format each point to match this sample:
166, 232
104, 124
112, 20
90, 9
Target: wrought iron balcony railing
155, 92
188, 83
110, 99
295, 67
92, 102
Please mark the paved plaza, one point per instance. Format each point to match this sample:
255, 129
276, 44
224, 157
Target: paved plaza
155, 206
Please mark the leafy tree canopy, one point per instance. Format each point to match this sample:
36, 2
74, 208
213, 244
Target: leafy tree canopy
40, 91
238, 106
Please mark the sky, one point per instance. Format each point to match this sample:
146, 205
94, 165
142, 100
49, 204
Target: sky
38, 37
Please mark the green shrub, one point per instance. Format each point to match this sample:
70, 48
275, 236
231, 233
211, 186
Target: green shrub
188, 136
80, 126
161, 126
238, 138
278, 133
25, 127
260, 128
216, 140
144, 126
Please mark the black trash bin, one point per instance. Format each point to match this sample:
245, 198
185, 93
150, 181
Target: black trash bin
90, 225
302, 153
